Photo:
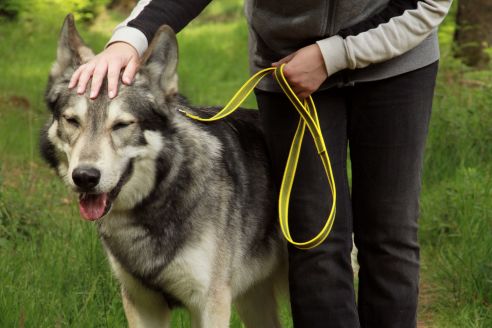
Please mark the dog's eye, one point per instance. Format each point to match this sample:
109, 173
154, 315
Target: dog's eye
72, 121
121, 125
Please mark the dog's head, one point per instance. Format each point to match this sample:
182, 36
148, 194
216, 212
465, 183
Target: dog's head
105, 149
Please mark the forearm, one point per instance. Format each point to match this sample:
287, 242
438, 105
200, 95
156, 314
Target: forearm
148, 15
388, 40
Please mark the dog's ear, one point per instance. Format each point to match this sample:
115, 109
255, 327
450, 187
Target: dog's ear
160, 62
71, 51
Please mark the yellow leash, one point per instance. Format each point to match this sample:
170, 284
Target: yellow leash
309, 118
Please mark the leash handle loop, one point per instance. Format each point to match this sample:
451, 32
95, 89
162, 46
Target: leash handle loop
308, 118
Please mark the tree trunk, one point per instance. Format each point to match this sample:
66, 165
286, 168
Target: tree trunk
473, 32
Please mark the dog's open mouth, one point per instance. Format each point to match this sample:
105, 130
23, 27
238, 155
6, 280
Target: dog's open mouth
94, 206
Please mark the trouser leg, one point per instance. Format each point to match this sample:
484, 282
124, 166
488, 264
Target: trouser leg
321, 279
388, 123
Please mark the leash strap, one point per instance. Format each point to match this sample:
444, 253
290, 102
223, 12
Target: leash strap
308, 118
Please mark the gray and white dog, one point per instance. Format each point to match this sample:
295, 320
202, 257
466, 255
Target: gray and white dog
184, 209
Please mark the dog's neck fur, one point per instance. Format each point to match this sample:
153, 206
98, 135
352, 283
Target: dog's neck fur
182, 182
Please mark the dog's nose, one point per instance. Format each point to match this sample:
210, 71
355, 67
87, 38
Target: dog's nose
86, 177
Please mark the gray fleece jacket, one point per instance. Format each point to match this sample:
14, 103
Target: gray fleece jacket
386, 37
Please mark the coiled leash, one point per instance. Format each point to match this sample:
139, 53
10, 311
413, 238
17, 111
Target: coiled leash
309, 118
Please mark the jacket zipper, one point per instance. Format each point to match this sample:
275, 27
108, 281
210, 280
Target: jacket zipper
332, 6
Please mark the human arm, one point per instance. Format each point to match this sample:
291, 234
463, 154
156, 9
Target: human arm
130, 40
372, 42
391, 39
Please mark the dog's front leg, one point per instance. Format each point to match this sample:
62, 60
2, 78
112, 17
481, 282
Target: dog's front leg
144, 308
147, 310
257, 307
214, 311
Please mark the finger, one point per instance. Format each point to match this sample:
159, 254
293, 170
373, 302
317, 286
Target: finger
303, 95
98, 78
84, 78
130, 71
290, 72
299, 92
75, 77
113, 77
284, 60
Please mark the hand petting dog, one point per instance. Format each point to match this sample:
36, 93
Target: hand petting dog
110, 62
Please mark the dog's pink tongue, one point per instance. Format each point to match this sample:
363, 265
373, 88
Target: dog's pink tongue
92, 206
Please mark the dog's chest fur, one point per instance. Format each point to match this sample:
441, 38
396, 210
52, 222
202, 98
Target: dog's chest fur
182, 277
141, 252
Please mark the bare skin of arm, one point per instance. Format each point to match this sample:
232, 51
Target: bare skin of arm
304, 69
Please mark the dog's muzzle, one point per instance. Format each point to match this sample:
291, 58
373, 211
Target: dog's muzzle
92, 205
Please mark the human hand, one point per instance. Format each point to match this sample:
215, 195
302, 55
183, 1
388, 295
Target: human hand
304, 70
109, 62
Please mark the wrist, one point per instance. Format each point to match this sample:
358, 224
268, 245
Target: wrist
334, 54
123, 46
131, 36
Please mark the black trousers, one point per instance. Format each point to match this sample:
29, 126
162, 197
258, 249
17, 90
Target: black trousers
384, 124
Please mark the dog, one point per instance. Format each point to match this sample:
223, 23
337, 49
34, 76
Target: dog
185, 210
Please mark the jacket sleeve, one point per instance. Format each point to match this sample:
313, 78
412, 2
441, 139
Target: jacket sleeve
359, 48
393, 9
148, 15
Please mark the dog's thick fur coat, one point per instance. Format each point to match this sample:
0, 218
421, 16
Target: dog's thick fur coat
185, 210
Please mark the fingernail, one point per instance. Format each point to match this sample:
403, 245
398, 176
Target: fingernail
80, 91
126, 80
111, 94
93, 94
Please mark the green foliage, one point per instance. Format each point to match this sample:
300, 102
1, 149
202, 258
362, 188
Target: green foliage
87, 10
84, 10
10, 8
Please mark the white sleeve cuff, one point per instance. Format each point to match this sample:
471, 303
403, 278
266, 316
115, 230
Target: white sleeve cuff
132, 36
334, 54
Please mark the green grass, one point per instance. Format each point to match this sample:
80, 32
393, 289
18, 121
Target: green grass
456, 221
52, 268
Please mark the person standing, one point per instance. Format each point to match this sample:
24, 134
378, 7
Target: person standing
371, 67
